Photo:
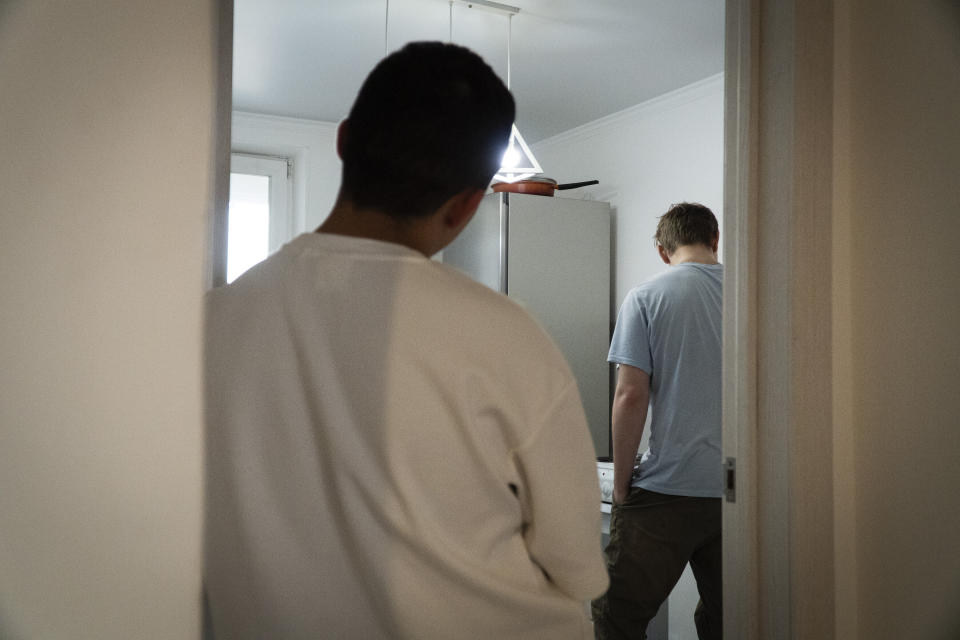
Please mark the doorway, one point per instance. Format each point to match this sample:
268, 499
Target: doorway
620, 182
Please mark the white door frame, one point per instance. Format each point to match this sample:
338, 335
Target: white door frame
216, 272
278, 170
740, 561
778, 534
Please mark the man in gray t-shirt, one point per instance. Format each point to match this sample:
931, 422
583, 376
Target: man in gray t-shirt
666, 508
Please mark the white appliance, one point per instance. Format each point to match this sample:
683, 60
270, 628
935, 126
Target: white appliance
553, 256
605, 476
658, 627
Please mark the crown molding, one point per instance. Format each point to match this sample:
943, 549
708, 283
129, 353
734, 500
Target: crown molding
281, 122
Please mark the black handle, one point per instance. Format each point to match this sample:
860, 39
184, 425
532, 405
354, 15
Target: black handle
574, 185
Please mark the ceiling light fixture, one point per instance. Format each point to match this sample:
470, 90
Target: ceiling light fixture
518, 162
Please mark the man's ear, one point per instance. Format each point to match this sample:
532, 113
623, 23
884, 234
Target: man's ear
462, 207
342, 132
663, 254
715, 243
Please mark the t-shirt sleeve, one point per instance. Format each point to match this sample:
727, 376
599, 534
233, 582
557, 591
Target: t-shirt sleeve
631, 336
560, 498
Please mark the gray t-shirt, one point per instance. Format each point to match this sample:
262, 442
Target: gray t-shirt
669, 327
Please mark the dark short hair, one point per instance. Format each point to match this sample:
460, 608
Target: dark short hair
687, 223
431, 120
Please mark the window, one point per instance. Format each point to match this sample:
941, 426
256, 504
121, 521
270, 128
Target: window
259, 219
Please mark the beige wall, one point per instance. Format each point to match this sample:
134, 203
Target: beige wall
106, 113
842, 313
897, 318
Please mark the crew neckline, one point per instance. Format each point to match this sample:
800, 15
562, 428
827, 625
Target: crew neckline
355, 244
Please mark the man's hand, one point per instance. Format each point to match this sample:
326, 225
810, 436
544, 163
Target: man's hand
620, 494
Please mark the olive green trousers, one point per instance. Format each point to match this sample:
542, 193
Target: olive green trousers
652, 538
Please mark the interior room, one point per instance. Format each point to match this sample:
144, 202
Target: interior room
839, 158
630, 95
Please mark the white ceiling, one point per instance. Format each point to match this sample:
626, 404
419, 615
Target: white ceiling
572, 61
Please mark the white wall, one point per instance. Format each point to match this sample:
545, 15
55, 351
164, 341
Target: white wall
106, 117
647, 157
663, 151
311, 144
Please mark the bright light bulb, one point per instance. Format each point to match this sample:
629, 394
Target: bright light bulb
511, 158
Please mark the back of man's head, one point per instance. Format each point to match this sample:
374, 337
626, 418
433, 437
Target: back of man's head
687, 223
429, 121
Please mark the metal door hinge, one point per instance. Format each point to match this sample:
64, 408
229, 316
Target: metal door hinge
730, 479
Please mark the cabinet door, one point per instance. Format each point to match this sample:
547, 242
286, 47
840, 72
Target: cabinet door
558, 267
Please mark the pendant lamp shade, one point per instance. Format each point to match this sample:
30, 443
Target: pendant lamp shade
518, 162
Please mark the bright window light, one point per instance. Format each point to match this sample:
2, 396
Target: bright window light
248, 231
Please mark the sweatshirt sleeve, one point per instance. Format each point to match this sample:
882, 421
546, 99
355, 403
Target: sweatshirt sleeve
560, 496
